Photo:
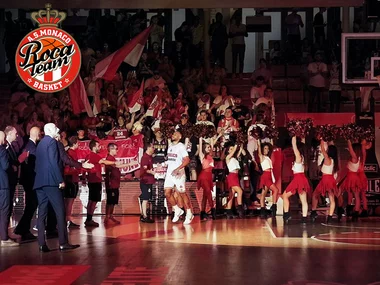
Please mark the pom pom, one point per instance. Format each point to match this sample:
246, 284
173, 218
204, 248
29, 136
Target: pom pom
327, 132
203, 131
351, 131
186, 130
270, 132
368, 134
167, 129
239, 138
299, 127
257, 132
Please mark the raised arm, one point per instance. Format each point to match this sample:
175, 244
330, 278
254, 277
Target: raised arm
354, 157
261, 157
200, 151
230, 155
241, 151
324, 153
220, 134
141, 118
365, 146
130, 124
296, 150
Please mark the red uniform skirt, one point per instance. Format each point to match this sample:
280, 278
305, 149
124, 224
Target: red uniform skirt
299, 184
205, 181
351, 183
363, 181
266, 179
327, 184
233, 180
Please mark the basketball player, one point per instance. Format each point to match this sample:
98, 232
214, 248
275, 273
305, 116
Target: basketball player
178, 159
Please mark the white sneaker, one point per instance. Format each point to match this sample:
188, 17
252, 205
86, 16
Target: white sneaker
188, 219
177, 213
9, 243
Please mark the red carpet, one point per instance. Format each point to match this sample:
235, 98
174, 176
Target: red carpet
40, 274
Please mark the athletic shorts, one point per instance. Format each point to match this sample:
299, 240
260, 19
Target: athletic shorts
95, 192
112, 196
146, 191
71, 190
178, 182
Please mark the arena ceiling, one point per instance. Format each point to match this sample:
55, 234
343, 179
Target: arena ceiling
173, 4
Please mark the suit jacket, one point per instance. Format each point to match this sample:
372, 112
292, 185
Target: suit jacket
65, 159
48, 171
27, 167
4, 165
13, 164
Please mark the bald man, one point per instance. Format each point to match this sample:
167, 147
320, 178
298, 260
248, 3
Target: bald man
4, 195
48, 184
27, 181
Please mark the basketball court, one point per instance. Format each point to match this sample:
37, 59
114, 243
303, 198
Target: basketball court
247, 251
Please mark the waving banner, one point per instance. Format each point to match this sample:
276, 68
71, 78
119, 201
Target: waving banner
128, 152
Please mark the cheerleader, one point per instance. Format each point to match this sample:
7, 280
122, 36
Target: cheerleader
300, 184
267, 179
363, 178
351, 184
328, 182
205, 178
233, 181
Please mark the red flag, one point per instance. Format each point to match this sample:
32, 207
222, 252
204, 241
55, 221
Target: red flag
78, 97
129, 53
137, 100
153, 108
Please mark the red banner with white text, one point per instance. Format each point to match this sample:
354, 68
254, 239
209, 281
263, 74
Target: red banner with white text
128, 152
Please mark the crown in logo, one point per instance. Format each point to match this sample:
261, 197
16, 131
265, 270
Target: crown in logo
48, 17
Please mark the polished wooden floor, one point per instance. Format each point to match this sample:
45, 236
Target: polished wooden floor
247, 251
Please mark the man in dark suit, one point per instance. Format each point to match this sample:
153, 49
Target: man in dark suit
4, 195
48, 182
11, 136
65, 160
27, 180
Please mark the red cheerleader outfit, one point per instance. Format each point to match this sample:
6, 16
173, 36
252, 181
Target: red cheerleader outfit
205, 177
352, 181
363, 181
267, 178
328, 182
233, 176
299, 183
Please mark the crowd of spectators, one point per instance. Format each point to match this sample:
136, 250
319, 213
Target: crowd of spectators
186, 94
177, 77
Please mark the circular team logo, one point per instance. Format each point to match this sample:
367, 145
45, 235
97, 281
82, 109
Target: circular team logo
48, 59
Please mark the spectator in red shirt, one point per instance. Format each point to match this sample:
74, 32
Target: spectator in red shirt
71, 181
94, 179
146, 181
228, 123
82, 134
112, 180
